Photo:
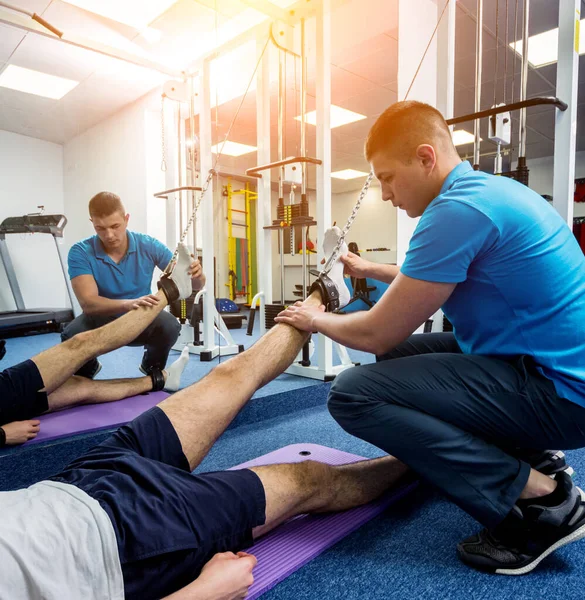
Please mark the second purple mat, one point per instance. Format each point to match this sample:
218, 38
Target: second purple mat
93, 417
294, 543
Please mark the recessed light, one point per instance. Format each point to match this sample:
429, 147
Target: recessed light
462, 137
543, 48
339, 116
35, 82
233, 149
348, 174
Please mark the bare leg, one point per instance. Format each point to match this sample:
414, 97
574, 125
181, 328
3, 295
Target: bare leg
57, 364
538, 485
80, 390
310, 486
201, 412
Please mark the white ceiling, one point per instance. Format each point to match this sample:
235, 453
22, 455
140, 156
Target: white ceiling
364, 63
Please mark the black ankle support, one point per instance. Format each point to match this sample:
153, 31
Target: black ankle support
328, 291
158, 380
169, 288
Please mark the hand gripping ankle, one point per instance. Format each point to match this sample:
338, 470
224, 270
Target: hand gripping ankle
328, 291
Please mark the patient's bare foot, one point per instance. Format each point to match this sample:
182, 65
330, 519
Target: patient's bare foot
19, 432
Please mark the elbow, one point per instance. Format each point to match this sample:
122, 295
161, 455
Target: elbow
376, 348
88, 308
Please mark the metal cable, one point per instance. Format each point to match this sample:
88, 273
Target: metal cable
507, 49
497, 50
205, 186
515, 50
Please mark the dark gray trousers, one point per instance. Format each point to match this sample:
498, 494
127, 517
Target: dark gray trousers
458, 420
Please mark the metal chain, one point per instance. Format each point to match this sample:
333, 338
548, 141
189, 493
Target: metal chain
163, 164
334, 256
169, 268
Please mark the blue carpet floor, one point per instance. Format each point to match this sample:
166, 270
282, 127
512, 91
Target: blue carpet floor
406, 553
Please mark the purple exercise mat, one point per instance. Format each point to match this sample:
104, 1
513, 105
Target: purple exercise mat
93, 417
296, 542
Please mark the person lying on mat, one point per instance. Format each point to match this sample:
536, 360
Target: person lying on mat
23, 387
111, 274
129, 520
474, 411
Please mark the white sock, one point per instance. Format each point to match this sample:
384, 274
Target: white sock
330, 240
176, 370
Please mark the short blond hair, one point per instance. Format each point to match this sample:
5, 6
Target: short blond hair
404, 126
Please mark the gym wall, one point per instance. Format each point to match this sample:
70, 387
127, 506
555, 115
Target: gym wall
31, 174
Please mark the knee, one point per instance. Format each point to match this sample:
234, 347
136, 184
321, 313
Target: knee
346, 396
79, 341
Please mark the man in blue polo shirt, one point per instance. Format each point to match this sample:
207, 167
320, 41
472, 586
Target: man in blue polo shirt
111, 274
473, 411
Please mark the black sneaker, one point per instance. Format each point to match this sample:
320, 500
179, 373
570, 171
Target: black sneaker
528, 535
549, 462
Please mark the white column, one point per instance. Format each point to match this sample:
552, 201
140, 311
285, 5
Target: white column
323, 104
416, 22
566, 122
264, 202
171, 174
446, 61
206, 207
445, 85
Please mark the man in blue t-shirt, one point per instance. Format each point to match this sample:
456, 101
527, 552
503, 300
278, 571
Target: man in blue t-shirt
111, 274
474, 411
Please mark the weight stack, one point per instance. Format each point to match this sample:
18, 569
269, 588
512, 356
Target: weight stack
272, 311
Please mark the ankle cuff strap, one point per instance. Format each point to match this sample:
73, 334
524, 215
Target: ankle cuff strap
328, 291
169, 288
158, 380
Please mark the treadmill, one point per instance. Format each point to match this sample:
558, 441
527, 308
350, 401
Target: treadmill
23, 320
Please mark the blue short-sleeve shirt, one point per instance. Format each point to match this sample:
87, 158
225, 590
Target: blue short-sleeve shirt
131, 277
519, 270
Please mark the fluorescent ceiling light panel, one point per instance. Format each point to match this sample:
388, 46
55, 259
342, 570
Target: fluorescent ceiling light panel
339, 116
151, 35
35, 82
543, 47
462, 137
136, 13
233, 149
348, 174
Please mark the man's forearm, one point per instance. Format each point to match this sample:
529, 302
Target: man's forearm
382, 272
104, 306
350, 330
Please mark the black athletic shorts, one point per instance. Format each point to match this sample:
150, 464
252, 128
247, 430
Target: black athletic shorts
168, 522
20, 395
